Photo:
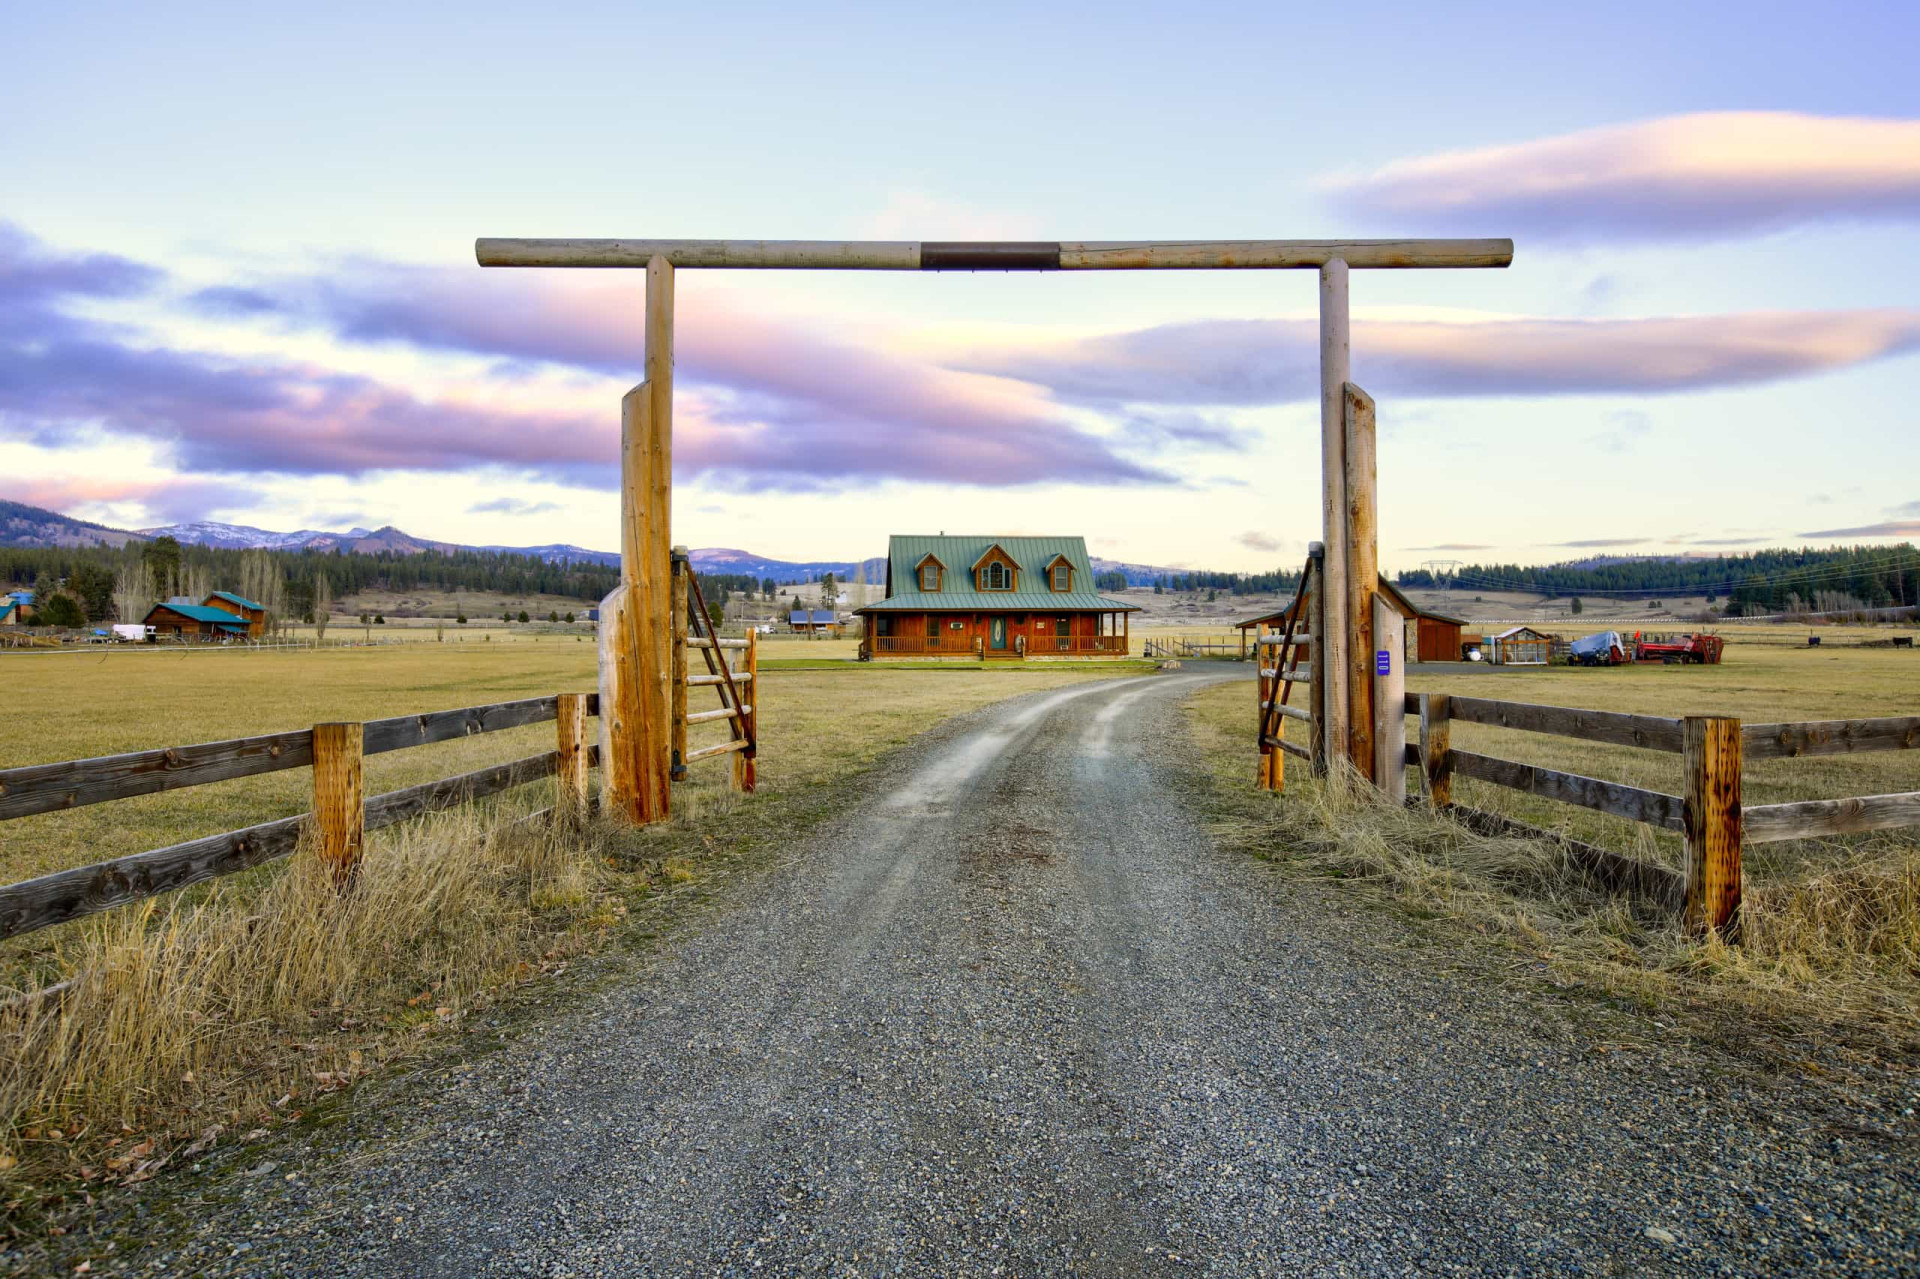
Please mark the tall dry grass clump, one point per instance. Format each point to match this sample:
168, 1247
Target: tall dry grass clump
258, 996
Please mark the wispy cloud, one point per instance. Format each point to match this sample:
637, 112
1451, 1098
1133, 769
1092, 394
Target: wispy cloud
1597, 543
768, 406
1886, 528
1245, 362
1452, 546
1683, 177
511, 506
1258, 541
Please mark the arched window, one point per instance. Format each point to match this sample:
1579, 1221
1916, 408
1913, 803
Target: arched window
996, 577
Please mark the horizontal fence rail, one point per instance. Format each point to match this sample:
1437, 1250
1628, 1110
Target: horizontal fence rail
87, 890
45, 788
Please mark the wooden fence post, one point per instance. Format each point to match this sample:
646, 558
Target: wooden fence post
1317, 657
678, 619
1713, 760
571, 718
1436, 749
743, 767
1263, 694
1362, 576
339, 799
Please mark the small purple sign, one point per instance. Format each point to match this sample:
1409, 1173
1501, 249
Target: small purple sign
1383, 662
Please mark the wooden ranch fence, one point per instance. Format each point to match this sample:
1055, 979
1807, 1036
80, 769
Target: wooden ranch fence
1708, 811
340, 816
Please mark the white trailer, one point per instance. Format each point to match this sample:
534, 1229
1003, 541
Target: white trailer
132, 632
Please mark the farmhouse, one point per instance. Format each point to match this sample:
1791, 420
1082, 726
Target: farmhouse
1434, 638
16, 609
255, 615
179, 619
1007, 597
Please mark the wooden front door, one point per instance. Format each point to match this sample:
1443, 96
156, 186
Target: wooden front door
997, 631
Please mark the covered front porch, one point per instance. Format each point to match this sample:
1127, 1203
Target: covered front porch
1009, 636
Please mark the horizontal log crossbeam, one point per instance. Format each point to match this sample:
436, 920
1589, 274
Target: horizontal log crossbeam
1631, 802
996, 255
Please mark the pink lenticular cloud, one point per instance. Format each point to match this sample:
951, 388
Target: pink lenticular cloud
1678, 177
1229, 362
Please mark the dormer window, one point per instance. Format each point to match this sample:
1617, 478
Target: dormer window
996, 577
929, 577
1062, 578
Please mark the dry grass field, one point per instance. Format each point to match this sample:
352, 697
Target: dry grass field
1831, 927
232, 1008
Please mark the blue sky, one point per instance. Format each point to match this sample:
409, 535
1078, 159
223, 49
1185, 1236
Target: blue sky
236, 273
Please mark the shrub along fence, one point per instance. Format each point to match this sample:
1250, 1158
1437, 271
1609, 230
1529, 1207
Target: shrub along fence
1708, 812
341, 813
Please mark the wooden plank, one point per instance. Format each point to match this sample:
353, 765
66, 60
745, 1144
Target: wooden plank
1823, 818
574, 756
1267, 760
1291, 712
1712, 823
1663, 887
1436, 754
655, 627
1292, 748
1299, 674
1650, 732
430, 797
1818, 737
88, 890
1065, 255
74, 783
1316, 622
403, 731
720, 748
1616, 798
1363, 575
716, 643
339, 800
725, 712
1390, 700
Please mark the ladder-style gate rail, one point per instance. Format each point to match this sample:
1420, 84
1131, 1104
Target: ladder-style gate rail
637, 632
694, 629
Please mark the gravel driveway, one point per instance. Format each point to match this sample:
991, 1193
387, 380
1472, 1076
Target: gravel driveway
1013, 1013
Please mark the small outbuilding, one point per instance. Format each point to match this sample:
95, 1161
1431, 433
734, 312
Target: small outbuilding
816, 621
1521, 646
1434, 637
195, 622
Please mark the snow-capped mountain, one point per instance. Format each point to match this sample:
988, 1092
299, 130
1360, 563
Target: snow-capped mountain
245, 537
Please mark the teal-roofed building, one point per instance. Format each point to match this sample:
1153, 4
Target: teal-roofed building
195, 622
1004, 597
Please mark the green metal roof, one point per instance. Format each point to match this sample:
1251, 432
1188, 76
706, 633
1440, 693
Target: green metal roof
202, 613
959, 554
241, 600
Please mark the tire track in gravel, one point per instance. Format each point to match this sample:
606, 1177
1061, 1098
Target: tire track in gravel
1013, 1012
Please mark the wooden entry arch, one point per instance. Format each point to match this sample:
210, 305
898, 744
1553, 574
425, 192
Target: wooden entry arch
635, 635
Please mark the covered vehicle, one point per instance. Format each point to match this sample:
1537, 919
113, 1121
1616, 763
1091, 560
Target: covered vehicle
1603, 649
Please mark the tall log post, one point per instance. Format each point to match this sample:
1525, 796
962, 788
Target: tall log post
657, 636
339, 799
1332, 640
1363, 576
743, 761
1436, 749
1315, 584
570, 721
677, 619
1711, 750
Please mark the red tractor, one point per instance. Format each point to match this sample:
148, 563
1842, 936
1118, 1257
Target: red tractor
1698, 649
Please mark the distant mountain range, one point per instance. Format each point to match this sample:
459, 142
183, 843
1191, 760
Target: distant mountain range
23, 525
